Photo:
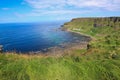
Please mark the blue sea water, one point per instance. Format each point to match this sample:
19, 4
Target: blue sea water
27, 37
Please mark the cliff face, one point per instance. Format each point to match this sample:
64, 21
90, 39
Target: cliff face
105, 31
93, 22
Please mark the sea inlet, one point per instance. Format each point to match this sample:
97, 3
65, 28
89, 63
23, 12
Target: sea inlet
28, 37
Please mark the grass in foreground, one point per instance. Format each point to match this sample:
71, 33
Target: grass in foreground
100, 62
86, 67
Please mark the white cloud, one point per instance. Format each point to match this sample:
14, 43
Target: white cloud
38, 4
5, 8
69, 8
110, 5
61, 4
61, 12
52, 13
19, 15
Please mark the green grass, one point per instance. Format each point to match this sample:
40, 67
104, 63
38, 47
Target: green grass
100, 62
90, 67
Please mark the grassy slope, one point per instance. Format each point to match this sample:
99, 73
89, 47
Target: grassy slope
106, 34
100, 62
90, 67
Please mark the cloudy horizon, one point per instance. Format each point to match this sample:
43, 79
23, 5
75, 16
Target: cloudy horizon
50, 10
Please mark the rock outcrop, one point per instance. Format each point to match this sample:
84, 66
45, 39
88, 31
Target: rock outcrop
1, 48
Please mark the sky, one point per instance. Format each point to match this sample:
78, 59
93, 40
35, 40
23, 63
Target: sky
52, 10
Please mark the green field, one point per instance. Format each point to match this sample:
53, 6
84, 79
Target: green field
100, 62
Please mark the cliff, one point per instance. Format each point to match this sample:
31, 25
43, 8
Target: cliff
105, 31
93, 26
94, 22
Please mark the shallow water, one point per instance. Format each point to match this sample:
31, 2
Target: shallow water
27, 37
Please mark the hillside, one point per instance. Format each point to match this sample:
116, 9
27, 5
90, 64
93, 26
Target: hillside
94, 26
100, 61
104, 31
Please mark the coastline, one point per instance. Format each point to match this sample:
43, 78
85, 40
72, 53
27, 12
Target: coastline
91, 58
61, 47
63, 29
92, 38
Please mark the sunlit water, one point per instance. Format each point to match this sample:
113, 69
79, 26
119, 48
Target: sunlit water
28, 37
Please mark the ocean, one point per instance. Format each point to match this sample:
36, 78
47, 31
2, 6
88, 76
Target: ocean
29, 37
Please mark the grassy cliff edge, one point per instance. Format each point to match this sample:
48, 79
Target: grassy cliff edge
100, 62
104, 30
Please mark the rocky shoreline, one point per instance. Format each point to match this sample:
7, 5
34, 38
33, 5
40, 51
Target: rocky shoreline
61, 47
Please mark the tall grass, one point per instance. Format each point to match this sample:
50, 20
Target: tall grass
19, 67
100, 62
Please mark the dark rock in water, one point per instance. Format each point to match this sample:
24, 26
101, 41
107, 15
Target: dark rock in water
62, 25
1, 48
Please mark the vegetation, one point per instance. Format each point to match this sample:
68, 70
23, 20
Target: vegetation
90, 67
100, 62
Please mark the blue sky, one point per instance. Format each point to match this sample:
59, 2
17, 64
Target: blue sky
50, 10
